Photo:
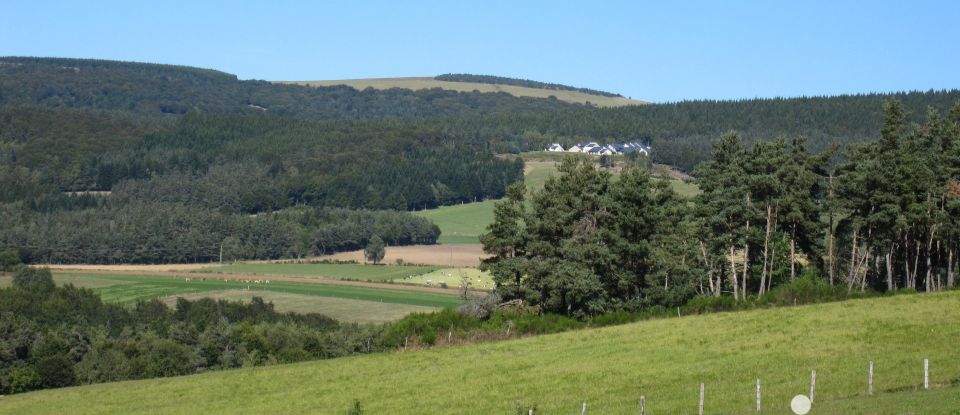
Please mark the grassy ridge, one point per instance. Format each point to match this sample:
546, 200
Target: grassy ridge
128, 289
609, 368
417, 83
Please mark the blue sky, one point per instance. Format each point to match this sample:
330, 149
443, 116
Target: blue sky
658, 51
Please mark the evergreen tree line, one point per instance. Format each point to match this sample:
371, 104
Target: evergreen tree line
161, 232
500, 80
885, 219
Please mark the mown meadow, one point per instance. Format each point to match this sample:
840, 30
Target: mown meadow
610, 368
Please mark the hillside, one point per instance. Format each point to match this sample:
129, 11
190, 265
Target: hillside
421, 83
167, 90
610, 368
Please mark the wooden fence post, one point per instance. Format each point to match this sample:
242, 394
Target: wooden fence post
926, 373
870, 379
643, 404
813, 383
758, 394
701, 400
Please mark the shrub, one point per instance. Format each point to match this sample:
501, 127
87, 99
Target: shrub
24, 379
807, 289
55, 371
9, 260
710, 304
33, 279
425, 326
355, 408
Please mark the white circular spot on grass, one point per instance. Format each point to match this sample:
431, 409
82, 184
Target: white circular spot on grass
800, 405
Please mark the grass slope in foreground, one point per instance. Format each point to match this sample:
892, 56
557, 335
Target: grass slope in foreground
417, 83
609, 368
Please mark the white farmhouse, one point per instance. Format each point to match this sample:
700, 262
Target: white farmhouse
553, 147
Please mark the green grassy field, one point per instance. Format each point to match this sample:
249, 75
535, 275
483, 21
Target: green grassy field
417, 83
610, 368
461, 223
684, 189
360, 272
128, 289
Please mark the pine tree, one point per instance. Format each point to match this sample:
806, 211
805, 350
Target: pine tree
725, 202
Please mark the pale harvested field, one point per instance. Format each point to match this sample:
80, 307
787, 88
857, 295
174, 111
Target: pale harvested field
342, 309
417, 83
459, 255
454, 277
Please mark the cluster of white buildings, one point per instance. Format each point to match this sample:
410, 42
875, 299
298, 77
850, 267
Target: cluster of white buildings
595, 149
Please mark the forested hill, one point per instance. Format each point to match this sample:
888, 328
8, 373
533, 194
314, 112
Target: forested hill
151, 89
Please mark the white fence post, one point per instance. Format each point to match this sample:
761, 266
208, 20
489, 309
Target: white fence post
758, 394
870, 379
643, 404
813, 383
926, 373
583, 409
701, 399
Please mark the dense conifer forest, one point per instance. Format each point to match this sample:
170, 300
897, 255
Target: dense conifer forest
90, 141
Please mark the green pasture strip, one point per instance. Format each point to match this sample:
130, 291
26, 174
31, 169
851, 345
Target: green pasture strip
458, 240
333, 271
